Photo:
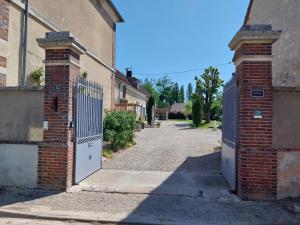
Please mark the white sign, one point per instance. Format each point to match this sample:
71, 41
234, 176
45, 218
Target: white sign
45, 125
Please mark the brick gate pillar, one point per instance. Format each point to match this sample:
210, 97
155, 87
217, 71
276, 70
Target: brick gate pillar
256, 160
56, 153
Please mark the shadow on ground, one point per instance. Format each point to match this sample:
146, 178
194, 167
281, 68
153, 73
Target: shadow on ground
10, 195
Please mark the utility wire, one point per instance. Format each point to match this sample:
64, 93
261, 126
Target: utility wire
179, 72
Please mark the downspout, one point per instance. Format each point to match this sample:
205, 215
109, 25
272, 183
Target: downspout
25, 43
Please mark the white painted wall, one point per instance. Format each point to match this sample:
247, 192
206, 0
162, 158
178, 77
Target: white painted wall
19, 165
229, 165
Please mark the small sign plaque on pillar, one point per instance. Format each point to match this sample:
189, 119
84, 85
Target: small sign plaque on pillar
45, 125
257, 93
258, 114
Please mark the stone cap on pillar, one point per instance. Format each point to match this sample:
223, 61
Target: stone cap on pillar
61, 40
254, 34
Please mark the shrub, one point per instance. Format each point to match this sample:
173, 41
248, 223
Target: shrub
177, 116
151, 103
119, 128
37, 76
197, 110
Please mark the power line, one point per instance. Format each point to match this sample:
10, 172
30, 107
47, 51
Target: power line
179, 72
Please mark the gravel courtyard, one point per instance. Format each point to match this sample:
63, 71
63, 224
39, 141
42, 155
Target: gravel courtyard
173, 146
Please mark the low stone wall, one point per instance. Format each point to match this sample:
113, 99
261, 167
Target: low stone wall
21, 115
229, 164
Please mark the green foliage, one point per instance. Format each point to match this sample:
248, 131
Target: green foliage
165, 88
38, 76
216, 108
175, 94
197, 110
188, 108
189, 92
181, 95
84, 74
107, 153
119, 128
150, 104
150, 86
208, 85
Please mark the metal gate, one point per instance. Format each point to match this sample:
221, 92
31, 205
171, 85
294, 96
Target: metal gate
88, 128
230, 131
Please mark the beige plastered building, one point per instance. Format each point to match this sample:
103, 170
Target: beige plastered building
93, 22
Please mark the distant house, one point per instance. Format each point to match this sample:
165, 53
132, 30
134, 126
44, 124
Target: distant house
177, 108
130, 94
177, 111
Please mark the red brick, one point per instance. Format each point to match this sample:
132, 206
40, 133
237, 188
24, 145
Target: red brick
256, 160
56, 154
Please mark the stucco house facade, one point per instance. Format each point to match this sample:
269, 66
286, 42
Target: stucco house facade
130, 94
93, 22
261, 145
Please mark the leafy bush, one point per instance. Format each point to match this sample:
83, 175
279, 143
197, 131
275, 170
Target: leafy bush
37, 76
197, 110
119, 128
188, 110
216, 109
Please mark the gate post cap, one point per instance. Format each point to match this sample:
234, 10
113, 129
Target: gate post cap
254, 34
61, 40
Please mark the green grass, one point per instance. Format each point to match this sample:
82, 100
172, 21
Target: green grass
177, 120
207, 125
107, 153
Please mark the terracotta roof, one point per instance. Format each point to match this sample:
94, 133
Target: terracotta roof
124, 79
248, 12
177, 107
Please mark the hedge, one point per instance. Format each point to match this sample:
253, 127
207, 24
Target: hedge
119, 128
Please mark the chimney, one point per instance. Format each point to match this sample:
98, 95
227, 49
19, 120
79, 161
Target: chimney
135, 82
128, 73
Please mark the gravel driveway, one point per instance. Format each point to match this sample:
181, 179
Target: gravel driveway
172, 147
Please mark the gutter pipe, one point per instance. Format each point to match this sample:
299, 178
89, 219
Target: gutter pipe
25, 43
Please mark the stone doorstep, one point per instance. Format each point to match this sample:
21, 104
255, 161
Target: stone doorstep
211, 194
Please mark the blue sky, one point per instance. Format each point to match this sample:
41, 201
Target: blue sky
165, 36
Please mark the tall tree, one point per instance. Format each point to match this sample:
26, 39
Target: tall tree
189, 92
197, 110
150, 104
181, 95
175, 94
150, 86
210, 82
164, 87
